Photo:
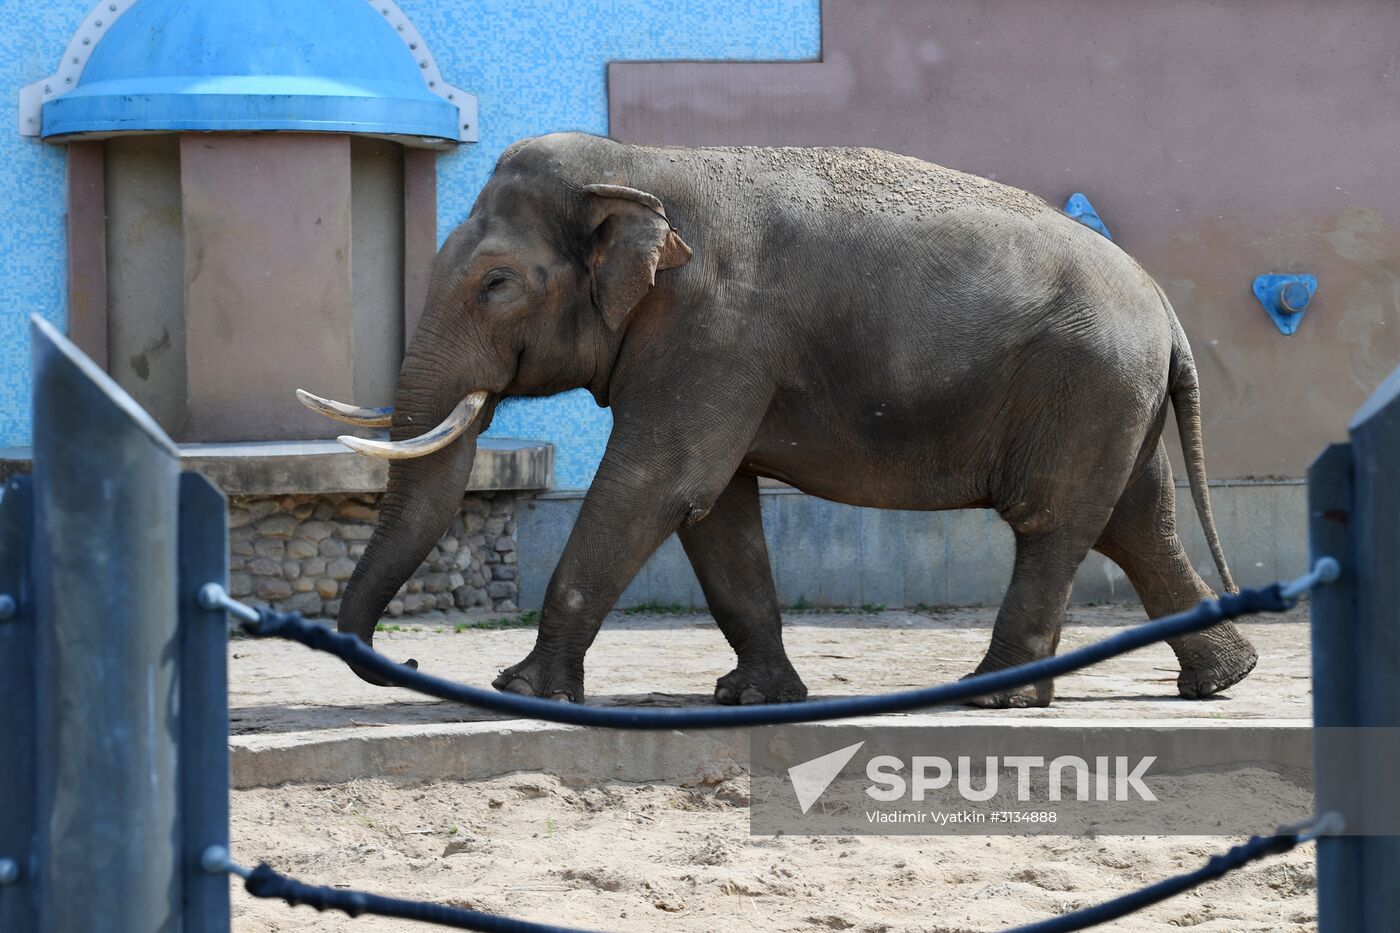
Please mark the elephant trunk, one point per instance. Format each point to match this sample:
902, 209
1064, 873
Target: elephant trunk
427, 475
417, 509
441, 405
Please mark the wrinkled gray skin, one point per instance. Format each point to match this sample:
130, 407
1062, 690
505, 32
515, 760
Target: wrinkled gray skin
869, 328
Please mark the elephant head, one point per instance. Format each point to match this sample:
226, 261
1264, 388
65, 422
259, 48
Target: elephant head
530, 296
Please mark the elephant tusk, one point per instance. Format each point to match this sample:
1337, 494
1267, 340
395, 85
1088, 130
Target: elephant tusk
439, 437
363, 417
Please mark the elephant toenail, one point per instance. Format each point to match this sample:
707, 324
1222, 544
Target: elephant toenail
752, 696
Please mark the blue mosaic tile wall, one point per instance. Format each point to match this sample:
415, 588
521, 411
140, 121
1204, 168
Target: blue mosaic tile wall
32, 192
537, 66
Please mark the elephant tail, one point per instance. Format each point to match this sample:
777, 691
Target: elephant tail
1186, 401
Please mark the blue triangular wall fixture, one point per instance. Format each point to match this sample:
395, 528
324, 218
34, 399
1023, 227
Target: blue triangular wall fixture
1081, 210
1285, 297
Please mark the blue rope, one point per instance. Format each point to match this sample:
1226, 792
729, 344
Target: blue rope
265, 883
352, 650
1219, 865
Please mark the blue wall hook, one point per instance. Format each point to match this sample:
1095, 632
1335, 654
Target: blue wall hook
1285, 297
1078, 207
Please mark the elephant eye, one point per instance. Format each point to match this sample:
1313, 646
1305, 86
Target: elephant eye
492, 282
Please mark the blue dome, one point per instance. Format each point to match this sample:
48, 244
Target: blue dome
337, 66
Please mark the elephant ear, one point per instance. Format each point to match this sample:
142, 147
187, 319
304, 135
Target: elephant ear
632, 241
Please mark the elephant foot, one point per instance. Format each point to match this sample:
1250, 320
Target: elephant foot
536, 678
371, 678
1202, 681
1212, 661
1038, 694
748, 684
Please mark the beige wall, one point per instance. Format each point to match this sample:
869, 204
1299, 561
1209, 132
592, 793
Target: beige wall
1219, 141
267, 282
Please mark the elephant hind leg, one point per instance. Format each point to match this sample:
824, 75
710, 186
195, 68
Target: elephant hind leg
1028, 623
1141, 538
730, 558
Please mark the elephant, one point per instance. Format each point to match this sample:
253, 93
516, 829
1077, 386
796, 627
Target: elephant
867, 327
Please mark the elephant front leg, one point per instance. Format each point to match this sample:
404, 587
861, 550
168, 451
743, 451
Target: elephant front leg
651, 483
730, 559
608, 545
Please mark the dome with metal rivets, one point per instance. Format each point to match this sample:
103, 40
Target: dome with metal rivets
334, 66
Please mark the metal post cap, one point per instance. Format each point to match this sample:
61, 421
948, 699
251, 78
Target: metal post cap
212, 596
214, 860
1294, 297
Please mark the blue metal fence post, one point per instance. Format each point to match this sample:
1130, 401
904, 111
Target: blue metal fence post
1368, 693
204, 758
18, 785
105, 519
1331, 510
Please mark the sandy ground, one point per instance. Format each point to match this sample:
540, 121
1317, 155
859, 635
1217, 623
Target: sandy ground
648, 857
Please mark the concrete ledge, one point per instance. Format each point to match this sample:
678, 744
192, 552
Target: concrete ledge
324, 466
480, 750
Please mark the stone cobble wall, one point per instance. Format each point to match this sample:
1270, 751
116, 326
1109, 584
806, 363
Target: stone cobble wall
296, 553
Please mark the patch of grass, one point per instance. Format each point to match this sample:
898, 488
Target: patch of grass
389, 627
654, 607
524, 620
452, 830
802, 605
